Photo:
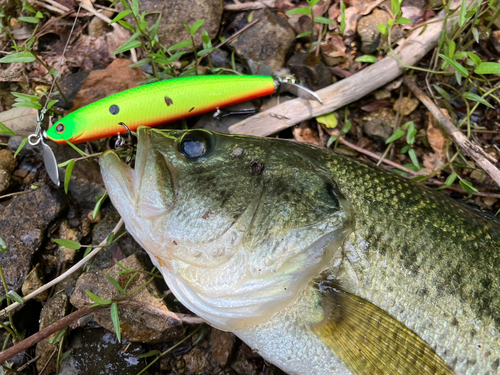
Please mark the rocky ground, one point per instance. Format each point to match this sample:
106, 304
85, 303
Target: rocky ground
33, 211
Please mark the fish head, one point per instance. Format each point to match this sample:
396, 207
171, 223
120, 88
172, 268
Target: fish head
237, 225
69, 128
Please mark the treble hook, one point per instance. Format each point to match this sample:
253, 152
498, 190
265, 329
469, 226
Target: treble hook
121, 141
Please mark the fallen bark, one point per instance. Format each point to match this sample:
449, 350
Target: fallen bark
350, 89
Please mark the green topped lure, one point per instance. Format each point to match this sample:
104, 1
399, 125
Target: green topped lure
163, 102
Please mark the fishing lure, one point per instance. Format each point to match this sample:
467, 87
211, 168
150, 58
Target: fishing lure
166, 101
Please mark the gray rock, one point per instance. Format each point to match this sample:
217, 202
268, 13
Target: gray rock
369, 33
223, 345
23, 224
70, 85
268, 42
310, 71
176, 13
145, 317
378, 125
97, 351
56, 308
123, 248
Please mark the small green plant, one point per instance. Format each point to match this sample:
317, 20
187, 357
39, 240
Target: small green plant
319, 19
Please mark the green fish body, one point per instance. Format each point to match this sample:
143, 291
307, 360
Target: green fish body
322, 264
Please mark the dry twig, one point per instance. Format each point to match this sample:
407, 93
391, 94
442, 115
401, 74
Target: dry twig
473, 151
239, 7
348, 90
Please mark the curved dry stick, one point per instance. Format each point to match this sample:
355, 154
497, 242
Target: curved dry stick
47, 331
73, 269
350, 89
473, 151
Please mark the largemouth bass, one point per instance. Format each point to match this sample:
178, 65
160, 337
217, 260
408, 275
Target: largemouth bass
320, 263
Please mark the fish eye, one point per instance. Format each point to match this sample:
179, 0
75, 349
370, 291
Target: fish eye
60, 128
194, 144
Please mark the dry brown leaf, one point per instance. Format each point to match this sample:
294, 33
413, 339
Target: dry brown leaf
101, 83
436, 139
376, 105
431, 163
20, 120
304, 133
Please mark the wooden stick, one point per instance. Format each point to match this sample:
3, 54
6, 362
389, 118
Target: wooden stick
350, 89
46, 332
473, 151
250, 6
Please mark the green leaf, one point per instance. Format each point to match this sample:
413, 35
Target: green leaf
460, 55
29, 19
51, 103
70, 244
475, 33
135, 7
449, 181
154, 30
328, 119
463, 11
382, 28
149, 354
395, 7
67, 176
467, 186
324, 20
347, 126
23, 57
31, 98
196, 26
5, 130
459, 68
443, 93
39, 14
300, 10
477, 98
484, 68
403, 21
475, 58
98, 300
120, 15
98, 205
367, 59
3, 245
15, 297
397, 134
183, 44
115, 283
116, 320
140, 63
121, 266
55, 339
405, 149
110, 238
413, 157
127, 46
312, 2
27, 104
305, 33
410, 137
206, 50
126, 25
23, 142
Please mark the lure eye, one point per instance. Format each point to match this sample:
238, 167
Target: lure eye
60, 128
194, 144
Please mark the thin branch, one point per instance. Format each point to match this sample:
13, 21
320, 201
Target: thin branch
473, 151
65, 274
250, 6
47, 332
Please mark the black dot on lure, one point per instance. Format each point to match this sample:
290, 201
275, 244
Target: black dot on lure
168, 101
114, 109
